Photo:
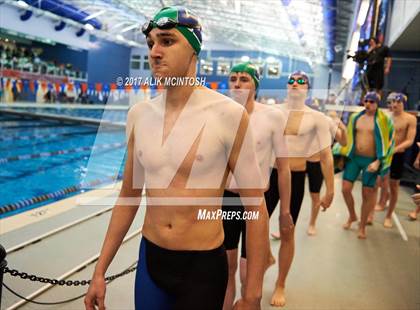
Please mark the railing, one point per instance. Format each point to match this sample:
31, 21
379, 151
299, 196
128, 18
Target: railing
41, 69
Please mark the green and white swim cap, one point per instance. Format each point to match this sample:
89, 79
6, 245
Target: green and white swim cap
182, 19
249, 68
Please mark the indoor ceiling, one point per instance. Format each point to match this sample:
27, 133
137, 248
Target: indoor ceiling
293, 28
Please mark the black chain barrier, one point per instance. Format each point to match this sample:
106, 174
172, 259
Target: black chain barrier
34, 278
3, 264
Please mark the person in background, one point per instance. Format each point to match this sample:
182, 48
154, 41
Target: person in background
369, 149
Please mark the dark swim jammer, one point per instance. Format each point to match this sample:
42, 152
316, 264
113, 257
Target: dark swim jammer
315, 177
297, 191
397, 166
168, 279
272, 195
233, 228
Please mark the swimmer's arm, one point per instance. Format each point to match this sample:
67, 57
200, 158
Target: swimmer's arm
417, 160
341, 134
327, 167
327, 163
388, 62
282, 162
409, 139
124, 210
283, 171
243, 162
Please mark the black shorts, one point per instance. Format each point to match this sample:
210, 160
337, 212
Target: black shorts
297, 191
397, 166
315, 177
272, 195
375, 78
178, 280
233, 228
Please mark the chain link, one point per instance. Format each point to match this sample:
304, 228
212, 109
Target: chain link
34, 278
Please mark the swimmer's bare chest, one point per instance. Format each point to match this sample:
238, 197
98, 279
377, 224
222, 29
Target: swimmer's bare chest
182, 154
263, 129
300, 132
184, 160
401, 129
365, 138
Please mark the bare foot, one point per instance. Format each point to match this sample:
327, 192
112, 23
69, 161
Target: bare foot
412, 215
347, 225
276, 236
388, 223
379, 207
311, 230
278, 299
369, 220
361, 234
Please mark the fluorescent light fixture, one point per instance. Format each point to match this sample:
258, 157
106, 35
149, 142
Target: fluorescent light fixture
120, 24
237, 4
94, 15
350, 65
205, 36
245, 58
129, 28
120, 37
364, 8
270, 59
22, 4
88, 27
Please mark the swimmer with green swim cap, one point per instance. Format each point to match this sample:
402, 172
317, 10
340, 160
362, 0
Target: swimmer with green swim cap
181, 145
249, 68
174, 40
182, 20
267, 126
241, 75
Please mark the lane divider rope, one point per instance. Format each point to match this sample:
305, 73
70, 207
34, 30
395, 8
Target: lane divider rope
60, 152
56, 194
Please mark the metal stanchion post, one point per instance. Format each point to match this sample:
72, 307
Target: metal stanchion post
3, 264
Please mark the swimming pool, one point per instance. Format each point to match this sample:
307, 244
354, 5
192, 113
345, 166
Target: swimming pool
112, 115
47, 160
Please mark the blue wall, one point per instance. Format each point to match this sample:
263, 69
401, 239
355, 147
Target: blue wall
405, 76
272, 87
107, 61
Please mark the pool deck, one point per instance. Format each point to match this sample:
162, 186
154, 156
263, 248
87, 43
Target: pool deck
332, 270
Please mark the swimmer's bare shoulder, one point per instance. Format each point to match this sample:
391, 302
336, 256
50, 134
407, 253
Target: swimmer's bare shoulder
228, 113
274, 113
139, 109
411, 119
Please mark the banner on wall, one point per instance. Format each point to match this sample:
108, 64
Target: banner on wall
382, 17
96, 91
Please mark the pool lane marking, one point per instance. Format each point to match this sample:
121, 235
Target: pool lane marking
56, 194
399, 226
56, 230
54, 208
60, 152
51, 166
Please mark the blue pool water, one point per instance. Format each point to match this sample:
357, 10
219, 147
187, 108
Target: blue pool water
43, 160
